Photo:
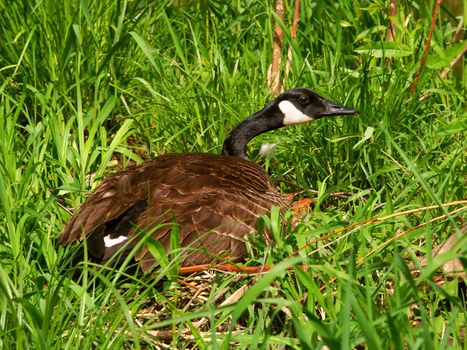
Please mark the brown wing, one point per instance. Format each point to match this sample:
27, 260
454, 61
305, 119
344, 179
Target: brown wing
215, 200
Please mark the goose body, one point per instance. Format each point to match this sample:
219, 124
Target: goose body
214, 199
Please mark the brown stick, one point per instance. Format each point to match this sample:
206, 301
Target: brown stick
446, 70
427, 46
274, 76
369, 221
296, 18
231, 268
265, 268
392, 26
398, 235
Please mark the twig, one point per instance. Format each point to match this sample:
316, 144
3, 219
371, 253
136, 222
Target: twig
392, 239
235, 296
446, 70
265, 268
250, 270
384, 218
400, 234
427, 46
296, 17
392, 26
274, 68
185, 334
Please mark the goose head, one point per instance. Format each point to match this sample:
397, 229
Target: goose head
302, 105
296, 106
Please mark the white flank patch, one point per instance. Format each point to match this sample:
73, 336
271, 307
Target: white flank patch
292, 114
110, 242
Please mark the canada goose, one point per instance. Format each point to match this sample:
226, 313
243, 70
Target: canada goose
215, 199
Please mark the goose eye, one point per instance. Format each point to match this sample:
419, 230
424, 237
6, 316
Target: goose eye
303, 99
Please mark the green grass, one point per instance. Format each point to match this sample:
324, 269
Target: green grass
88, 87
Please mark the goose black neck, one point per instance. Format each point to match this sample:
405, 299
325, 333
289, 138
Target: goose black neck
269, 118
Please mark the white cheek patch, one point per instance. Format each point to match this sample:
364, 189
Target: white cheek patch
292, 114
110, 242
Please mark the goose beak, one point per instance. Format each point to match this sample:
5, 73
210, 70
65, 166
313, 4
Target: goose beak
333, 108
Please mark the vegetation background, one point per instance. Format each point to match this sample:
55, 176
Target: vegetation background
89, 87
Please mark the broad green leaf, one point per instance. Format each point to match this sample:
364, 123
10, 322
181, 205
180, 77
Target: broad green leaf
443, 57
385, 49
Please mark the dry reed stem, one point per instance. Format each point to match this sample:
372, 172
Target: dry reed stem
274, 78
392, 26
427, 45
356, 226
384, 218
374, 250
446, 70
392, 239
296, 18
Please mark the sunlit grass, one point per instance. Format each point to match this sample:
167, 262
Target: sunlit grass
91, 87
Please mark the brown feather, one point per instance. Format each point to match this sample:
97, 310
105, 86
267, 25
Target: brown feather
216, 200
